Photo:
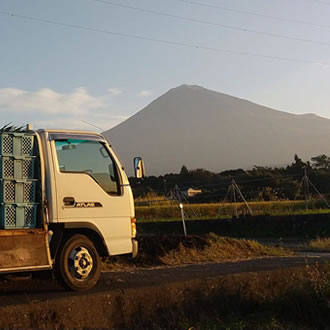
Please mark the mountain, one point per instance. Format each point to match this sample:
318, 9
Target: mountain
200, 128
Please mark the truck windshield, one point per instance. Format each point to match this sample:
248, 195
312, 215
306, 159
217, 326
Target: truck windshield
91, 157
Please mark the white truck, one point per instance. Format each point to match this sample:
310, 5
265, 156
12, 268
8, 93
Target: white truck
65, 203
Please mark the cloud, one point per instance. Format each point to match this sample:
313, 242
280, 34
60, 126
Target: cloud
115, 91
322, 65
47, 108
145, 93
46, 100
88, 123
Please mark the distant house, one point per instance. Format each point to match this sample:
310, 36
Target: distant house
191, 192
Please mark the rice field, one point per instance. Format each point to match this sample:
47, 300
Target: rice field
172, 211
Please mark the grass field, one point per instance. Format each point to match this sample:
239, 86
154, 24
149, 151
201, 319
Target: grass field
219, 210
299, 300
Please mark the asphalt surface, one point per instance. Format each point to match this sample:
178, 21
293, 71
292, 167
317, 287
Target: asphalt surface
15, 291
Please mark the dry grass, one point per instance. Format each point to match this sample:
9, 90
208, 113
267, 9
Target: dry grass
220, 249
176, 250
320, 244
281, 299
152, 199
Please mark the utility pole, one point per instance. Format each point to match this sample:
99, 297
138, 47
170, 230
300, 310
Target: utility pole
233, 189
306, 182
306, 187
241, 195
183, 220
180, 197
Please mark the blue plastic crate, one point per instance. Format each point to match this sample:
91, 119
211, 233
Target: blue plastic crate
16, 144
18, 191
15, 216
17, 168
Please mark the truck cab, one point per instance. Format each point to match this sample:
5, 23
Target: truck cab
85, 208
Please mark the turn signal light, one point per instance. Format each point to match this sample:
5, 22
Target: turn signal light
133, 226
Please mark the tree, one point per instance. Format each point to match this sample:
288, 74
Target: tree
321, 162
184, 170
298, 166
236, 172
298, 161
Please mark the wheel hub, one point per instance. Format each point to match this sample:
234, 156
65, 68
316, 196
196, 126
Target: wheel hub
82, 262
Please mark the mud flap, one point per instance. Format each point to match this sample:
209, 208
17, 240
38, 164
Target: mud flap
135, 248
24, 250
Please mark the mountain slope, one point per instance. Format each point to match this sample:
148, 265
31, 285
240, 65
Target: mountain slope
201, 128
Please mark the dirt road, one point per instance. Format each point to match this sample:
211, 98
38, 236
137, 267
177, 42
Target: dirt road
125, 298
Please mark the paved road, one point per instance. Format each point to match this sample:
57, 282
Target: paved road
14, 292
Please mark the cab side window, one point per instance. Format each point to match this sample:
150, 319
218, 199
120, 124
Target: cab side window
92, 158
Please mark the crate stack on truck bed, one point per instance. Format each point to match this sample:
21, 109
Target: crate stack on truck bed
18, 180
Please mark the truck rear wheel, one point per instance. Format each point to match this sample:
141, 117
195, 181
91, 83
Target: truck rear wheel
77, 264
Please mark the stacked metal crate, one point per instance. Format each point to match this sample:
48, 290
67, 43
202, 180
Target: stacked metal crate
18, 181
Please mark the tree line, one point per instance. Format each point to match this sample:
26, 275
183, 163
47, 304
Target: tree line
257, 184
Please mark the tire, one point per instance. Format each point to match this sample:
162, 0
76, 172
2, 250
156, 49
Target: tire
77, 264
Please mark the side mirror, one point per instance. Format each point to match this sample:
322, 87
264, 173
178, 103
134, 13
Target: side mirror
139, 168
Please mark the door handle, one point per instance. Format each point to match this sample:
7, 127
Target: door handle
68, 201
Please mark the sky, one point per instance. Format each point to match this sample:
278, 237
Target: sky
77, 64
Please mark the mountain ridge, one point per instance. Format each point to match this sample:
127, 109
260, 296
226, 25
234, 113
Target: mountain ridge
200, 128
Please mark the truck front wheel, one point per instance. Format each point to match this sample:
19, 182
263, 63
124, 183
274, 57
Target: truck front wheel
77, 264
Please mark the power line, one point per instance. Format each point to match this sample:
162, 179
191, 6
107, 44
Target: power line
239, 11
195, 20
86, 122
162, 41
322, 2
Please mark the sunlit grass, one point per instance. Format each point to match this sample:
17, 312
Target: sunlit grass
176, 250
227, 210
219, 249
320, 244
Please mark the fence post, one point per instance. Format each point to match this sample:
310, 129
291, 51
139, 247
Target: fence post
183, 221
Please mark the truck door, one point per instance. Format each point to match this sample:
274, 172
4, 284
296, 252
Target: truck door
90, 190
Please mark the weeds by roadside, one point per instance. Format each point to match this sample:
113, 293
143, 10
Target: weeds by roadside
175, 250
219, 248
277, 300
